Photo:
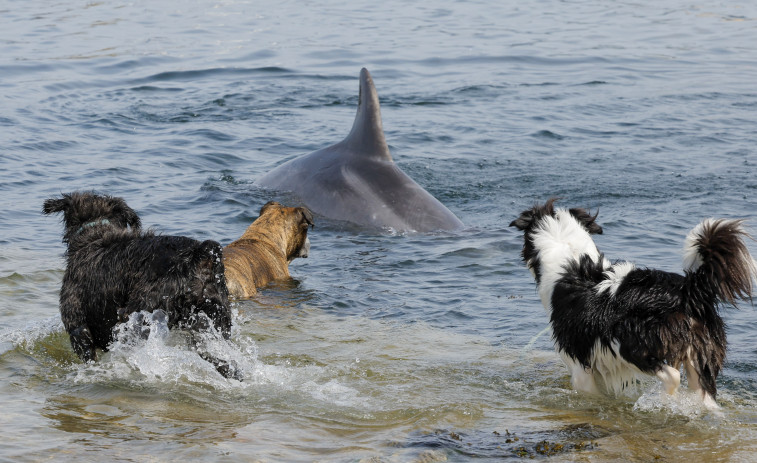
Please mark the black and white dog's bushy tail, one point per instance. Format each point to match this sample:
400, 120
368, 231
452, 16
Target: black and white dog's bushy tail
718, 269
716, 257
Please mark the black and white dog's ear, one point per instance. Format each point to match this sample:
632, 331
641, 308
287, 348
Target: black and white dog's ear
587, 220
54, 205
529, 216
524, 221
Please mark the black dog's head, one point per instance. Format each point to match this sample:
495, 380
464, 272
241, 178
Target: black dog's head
530, 218
85, 210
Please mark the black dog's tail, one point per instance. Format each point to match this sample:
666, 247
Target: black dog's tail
716, 256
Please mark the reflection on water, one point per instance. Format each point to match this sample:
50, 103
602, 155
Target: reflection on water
123, 415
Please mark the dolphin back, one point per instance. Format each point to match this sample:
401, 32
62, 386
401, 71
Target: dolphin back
356, 180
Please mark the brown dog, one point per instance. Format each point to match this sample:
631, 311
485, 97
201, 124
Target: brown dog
263, 253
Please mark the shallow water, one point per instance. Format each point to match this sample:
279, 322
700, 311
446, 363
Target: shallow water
384, 347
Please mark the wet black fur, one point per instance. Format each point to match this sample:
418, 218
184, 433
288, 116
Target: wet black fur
655, 316
114, 269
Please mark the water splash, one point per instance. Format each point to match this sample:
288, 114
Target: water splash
145, 353
683, 403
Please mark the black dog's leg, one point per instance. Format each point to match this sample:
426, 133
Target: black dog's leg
82, 343
226, 369
124, 313
201, 324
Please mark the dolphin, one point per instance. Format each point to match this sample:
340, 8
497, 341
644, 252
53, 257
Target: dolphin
356, 180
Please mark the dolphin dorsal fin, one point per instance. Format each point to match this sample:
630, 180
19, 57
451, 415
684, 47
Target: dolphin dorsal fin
367, 134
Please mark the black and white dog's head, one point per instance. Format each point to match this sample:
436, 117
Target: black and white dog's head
83, 211
568, 231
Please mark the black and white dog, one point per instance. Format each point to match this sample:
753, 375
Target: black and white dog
612, 321
113, 269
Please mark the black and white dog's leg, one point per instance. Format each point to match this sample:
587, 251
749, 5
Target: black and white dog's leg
581, 378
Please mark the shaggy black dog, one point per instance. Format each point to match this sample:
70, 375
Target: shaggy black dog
114, 269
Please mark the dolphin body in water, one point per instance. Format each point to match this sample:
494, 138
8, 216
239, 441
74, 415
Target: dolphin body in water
356, 180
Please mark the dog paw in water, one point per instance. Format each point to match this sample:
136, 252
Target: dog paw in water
229, 370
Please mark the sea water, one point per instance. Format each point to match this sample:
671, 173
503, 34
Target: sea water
384, 346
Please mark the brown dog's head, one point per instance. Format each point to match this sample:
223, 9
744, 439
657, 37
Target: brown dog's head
288, 224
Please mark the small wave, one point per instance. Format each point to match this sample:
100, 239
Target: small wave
509, 59
484, 89
29, 335
198, 74
593, 82
49, 146
153, 88
548, 134
147, 83
209, 134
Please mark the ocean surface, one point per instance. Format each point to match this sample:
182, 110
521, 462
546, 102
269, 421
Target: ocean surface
384, 347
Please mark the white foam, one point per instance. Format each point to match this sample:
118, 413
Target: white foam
683, 402
146, 354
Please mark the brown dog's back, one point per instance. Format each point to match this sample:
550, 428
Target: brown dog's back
251, 264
